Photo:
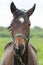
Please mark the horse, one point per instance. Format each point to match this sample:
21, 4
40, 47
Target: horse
20, 51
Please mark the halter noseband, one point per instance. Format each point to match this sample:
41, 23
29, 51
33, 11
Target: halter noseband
23, 36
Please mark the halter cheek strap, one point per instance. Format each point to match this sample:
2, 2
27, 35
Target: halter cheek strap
23, 36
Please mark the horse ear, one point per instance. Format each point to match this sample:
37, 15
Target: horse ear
30, 11
13, 7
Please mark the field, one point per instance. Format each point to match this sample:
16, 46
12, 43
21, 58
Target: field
36, 40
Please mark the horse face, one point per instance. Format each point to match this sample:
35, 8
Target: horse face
20, 24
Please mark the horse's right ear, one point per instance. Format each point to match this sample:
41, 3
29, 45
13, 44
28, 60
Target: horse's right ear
30, 11
13, 7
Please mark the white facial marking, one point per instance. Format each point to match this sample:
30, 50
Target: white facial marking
21, 19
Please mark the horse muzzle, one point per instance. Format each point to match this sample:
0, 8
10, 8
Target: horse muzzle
19, 50
19, 43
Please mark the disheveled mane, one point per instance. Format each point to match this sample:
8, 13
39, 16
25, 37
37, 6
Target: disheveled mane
18, 13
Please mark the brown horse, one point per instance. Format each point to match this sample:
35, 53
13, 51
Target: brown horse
20, 52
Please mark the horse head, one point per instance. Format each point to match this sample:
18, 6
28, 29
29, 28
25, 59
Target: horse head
20, 28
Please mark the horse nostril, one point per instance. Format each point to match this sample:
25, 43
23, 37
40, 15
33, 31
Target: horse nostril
16, 48
21, 47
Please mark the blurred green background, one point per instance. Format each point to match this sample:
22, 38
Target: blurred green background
36, 39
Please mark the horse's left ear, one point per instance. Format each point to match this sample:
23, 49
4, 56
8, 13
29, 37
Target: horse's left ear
30, 11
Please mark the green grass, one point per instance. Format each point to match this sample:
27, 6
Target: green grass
3, 42
36, 42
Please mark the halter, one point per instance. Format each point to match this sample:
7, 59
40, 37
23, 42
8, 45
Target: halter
23, 36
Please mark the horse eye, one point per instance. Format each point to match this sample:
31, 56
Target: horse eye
29, 24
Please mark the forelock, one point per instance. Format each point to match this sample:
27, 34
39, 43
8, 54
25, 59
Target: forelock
18, 13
